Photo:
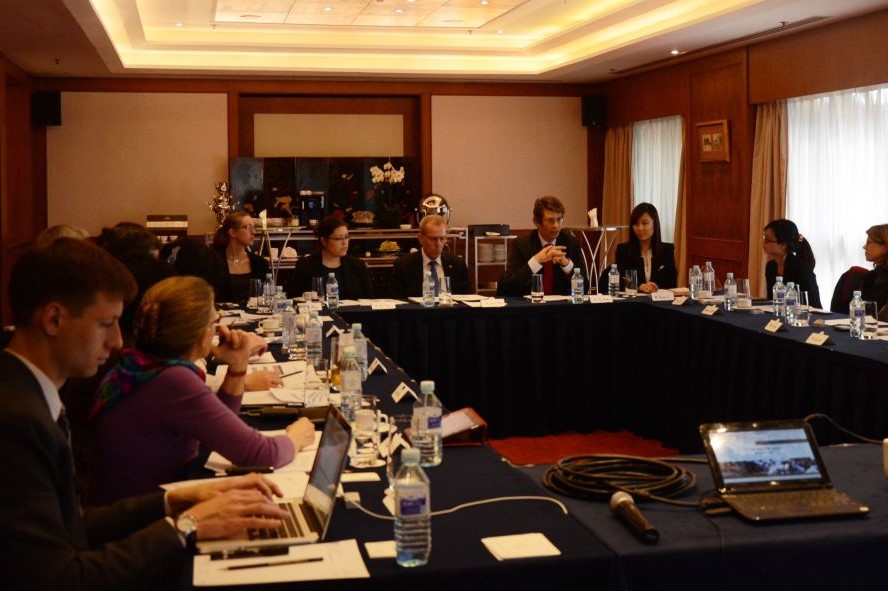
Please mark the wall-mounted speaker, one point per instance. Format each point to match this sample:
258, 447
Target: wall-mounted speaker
594, 111
46, 108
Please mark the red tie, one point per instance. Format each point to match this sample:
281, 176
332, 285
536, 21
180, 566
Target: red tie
548, 278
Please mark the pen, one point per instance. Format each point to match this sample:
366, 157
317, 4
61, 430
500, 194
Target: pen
292, 373
297, 561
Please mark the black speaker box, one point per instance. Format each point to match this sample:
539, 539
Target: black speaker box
594, 112
46, 108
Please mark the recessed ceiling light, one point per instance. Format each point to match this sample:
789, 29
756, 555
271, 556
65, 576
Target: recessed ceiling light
499, 31
399, 10
485, 2
675, 52
179, 25
328, 8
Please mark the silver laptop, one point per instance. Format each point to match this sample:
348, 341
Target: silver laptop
772, 470
310, 515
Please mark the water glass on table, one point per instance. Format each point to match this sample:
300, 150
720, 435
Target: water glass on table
390, 448
536, 288
445, 296
318, 286
365, 433
803, 310
744, 294
870, 321
255, 294
630, 283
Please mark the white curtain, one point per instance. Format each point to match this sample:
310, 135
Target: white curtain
656, 164
837, 176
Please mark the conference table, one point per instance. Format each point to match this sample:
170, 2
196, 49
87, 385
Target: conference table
654, 368
596, 550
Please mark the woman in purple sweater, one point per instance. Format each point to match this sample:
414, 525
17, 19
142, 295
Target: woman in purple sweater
154, 408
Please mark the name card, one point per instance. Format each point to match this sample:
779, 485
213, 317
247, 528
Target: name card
662, 295
493, 303
401, 391
333, 330
774, 326
376, 367
600, 298
818, 338
679, 301
384, 305
710, 310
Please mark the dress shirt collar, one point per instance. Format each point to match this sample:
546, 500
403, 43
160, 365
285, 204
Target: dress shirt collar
544, 243
426, 260
50, 392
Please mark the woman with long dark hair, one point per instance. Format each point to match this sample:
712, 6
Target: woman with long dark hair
652, 259
790, 256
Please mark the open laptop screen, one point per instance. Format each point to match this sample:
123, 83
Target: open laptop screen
762, 454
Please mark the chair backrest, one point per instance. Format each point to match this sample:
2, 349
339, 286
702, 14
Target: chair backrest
845, 286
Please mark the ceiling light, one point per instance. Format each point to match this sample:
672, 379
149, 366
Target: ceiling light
675, 52
250, 17
399, 10
328, 8
485, 2
179, 25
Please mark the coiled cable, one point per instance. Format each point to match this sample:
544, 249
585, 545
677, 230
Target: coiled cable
597, 476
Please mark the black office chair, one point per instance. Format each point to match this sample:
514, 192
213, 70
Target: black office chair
849, 281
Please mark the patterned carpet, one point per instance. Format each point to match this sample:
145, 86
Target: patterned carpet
551, 448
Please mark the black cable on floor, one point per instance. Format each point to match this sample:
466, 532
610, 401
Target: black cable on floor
597, 476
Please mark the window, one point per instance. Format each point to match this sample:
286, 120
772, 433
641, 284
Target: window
837, 181
656, 163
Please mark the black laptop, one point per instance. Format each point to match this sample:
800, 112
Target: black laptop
772, 470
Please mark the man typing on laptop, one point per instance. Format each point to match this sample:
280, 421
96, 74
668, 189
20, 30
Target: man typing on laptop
66, 300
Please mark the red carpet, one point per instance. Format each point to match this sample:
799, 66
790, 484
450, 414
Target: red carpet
551, 448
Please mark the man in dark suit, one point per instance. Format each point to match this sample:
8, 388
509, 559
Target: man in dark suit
66, 298
407, 272
548, 251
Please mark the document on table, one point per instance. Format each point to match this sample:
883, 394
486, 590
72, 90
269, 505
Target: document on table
301, 463
309, 562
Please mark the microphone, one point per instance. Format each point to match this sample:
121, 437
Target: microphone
622, 504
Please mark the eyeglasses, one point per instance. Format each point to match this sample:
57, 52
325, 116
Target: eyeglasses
248, 227
435, 238
340, 238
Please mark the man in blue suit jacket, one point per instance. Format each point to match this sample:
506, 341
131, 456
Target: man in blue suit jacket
550, 246
66, 298
406, 278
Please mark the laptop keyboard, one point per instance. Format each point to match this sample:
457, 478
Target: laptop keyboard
790, 503
289, 529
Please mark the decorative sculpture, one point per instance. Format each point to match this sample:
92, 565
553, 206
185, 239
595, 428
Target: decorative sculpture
222, 203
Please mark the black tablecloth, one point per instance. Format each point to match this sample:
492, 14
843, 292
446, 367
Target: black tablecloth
654, 368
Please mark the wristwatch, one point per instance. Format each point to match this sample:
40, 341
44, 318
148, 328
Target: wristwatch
186, 525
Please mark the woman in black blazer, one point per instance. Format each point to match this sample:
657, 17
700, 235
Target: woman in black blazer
331, 256
652, 259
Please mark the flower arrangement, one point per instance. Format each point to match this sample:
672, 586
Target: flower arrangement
387, 175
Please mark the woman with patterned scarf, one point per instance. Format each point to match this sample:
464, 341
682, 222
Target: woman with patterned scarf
154, 408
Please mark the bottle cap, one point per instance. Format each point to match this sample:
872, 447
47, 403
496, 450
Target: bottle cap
410, 455
349, 351
333, 275
427, 386
357, 326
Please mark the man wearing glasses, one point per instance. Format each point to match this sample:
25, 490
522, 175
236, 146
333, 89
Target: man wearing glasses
548, 251
408, 270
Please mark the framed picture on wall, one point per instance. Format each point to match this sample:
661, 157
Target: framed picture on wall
713, 142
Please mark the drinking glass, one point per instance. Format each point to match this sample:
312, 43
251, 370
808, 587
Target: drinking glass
399, 427
316, 384
255, 294
536, 288
803, 310
744, 295
870, 321
630, 283
318, 286
445, 297
366, 433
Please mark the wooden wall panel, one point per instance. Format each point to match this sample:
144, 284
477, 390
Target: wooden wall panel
848, 54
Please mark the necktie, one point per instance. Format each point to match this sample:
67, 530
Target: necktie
64, 425
548, 277
433, 267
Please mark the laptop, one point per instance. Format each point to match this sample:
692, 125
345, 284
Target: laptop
772, 470
310, 515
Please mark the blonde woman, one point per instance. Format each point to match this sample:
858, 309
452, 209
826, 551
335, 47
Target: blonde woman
154, 409
234, 240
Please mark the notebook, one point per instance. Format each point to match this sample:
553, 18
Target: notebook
310, 515
772, 470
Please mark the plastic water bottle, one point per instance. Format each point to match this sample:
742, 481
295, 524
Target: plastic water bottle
360, 345
428, 289
695, 282
350, 384
856, 314
708, 281
791, 303
577, 287
280, 302
332, 292
426, 425
413, 520
613, 281
778, 298
314, 338
730, 292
